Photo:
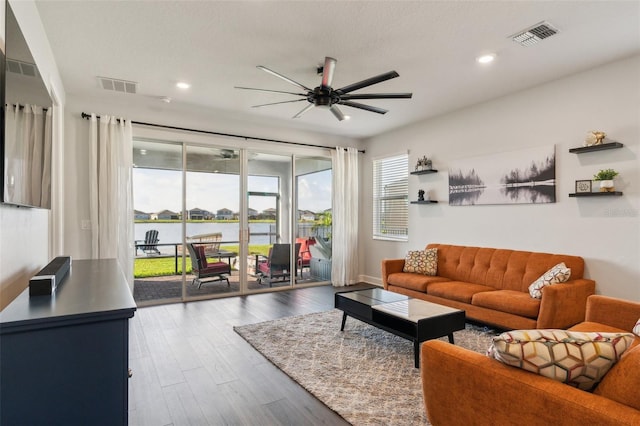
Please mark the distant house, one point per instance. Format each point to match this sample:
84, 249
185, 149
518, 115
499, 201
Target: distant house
306, 215
252, 213
268, 213
138, 215
167, 215
224, 214
199, 214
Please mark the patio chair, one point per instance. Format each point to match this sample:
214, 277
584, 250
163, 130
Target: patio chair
201, 269
277, 265
150, 243
304, 255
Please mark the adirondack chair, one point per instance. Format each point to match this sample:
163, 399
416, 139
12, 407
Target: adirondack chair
150, 243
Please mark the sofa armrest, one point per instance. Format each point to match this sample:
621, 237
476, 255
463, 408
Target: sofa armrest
617, 313
564, 305
461, 387
390, 266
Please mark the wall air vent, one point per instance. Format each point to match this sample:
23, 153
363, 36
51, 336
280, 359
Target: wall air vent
24, 68
118, 85
534, 34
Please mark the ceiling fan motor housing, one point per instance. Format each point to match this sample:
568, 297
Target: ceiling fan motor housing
323, 96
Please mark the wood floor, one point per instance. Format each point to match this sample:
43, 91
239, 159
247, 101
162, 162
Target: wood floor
191, 368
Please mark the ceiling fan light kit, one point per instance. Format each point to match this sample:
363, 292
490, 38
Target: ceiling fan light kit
325, 96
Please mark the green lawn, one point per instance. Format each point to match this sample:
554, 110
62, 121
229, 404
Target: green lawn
161, 266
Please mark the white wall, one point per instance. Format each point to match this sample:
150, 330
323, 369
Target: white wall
605, 231
25, 245
76, 150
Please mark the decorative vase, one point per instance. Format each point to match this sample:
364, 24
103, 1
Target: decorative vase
607, 186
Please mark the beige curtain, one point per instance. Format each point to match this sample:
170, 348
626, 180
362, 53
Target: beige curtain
344, 260
111, 203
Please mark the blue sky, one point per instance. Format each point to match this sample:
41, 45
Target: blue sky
155, 190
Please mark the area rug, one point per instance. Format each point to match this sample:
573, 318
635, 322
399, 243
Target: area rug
364, 374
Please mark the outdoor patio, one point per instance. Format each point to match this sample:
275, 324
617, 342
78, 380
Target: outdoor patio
170, 287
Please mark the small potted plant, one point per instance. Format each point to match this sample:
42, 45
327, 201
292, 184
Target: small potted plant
605, 177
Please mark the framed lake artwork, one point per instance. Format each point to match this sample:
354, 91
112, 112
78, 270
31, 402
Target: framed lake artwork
526, 176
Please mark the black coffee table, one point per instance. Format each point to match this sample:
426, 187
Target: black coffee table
407, 317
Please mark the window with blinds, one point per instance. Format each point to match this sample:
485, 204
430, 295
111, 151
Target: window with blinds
391, 198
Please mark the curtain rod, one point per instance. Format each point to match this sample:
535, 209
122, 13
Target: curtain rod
208, 132
22, 107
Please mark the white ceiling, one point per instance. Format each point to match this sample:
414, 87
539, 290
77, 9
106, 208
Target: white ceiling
216, 45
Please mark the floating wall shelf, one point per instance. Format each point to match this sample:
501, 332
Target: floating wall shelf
423, 172
610, 145
424, 202
595, 194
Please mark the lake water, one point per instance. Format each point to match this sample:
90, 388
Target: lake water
171, 233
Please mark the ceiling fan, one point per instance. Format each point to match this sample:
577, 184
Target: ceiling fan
325, 96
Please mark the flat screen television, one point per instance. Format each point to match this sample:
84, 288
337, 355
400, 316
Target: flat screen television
26, 123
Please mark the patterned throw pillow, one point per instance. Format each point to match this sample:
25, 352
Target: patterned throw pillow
422, 262
636, 328
575, 358
558, 274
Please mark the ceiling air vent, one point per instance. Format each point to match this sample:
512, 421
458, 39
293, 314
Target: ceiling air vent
534, 34
118, 85
23, 68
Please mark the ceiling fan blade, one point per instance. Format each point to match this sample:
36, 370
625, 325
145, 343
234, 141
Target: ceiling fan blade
305, 109
364, 107
378, 96
368, 82
287, 79
276, 103
267, 90
327, 71
336, 111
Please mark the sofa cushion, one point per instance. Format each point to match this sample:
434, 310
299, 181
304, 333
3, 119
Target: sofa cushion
456, 290
510, 301
578, 359
620, 384
636, 328
421, 262
558, 274
417, 282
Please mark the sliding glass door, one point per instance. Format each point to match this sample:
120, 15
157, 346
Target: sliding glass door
215, 221
272, 257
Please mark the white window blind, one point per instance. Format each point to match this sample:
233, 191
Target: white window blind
391, 198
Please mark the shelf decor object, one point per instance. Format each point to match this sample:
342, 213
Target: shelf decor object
608, 145
583, 186
605, 177
594, 137
424, 164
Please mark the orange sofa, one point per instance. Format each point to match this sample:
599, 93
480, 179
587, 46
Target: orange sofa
492, 286
462, 387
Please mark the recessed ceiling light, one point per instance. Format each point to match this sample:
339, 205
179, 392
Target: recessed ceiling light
182, 85
347, 117
486, 59
143, 152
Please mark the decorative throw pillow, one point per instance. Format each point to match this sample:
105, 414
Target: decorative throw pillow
421, 261
575, 358
432, 261
558, 274
636, 328
416, 261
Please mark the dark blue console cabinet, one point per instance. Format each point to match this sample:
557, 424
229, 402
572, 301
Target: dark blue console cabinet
64, 358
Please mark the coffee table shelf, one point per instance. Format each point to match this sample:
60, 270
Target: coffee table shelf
407, 317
